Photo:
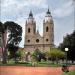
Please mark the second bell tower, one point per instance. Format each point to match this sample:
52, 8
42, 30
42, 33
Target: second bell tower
48, 29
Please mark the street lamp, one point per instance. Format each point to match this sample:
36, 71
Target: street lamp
65, 68
66, 50
26, 56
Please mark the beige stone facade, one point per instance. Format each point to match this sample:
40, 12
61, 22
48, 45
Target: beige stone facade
33, 40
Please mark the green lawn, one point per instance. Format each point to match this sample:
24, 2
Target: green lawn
69, 73
37, 64
48, 64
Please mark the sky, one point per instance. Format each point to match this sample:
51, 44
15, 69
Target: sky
62, 12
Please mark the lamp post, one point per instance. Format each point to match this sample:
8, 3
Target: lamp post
66, 50
65, 68
26, 56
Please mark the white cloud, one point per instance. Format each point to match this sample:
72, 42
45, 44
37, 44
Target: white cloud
65, 10
21, 21
38, 3
14, 8
39, 21
7, 3
18, 10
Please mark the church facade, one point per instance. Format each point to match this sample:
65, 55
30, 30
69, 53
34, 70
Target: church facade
33, 40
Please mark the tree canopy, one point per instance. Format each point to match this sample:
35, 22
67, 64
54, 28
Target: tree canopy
14, 32
69, 42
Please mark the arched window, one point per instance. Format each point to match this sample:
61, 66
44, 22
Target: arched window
28, 30
47, 29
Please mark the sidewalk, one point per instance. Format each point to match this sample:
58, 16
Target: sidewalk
21, 70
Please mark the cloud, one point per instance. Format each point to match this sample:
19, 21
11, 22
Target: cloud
41, 3
65, 10
14, 10
11, 9
39, 21
21, 21
18, 10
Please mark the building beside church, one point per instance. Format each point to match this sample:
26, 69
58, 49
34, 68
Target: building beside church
33, 40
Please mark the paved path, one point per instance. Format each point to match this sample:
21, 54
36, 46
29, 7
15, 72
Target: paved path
21, 70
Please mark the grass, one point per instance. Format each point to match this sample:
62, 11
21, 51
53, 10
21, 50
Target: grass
69, 73
48, 64
17, 64
36, 64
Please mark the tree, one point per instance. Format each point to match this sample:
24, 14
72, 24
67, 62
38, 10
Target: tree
55, 54
37, 55
14, 37
21, 54
69, 42
15, 32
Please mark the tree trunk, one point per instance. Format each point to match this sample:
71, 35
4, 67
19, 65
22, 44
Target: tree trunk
72, 61
57, 60
4, 52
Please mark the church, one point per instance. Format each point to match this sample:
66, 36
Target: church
33, 40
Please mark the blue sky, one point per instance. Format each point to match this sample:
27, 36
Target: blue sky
61, 10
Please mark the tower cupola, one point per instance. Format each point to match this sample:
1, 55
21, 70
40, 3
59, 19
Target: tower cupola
48, 16
30, 18
48, 12
30, 14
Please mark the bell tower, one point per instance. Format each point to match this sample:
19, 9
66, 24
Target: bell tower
30, 30
48, 29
